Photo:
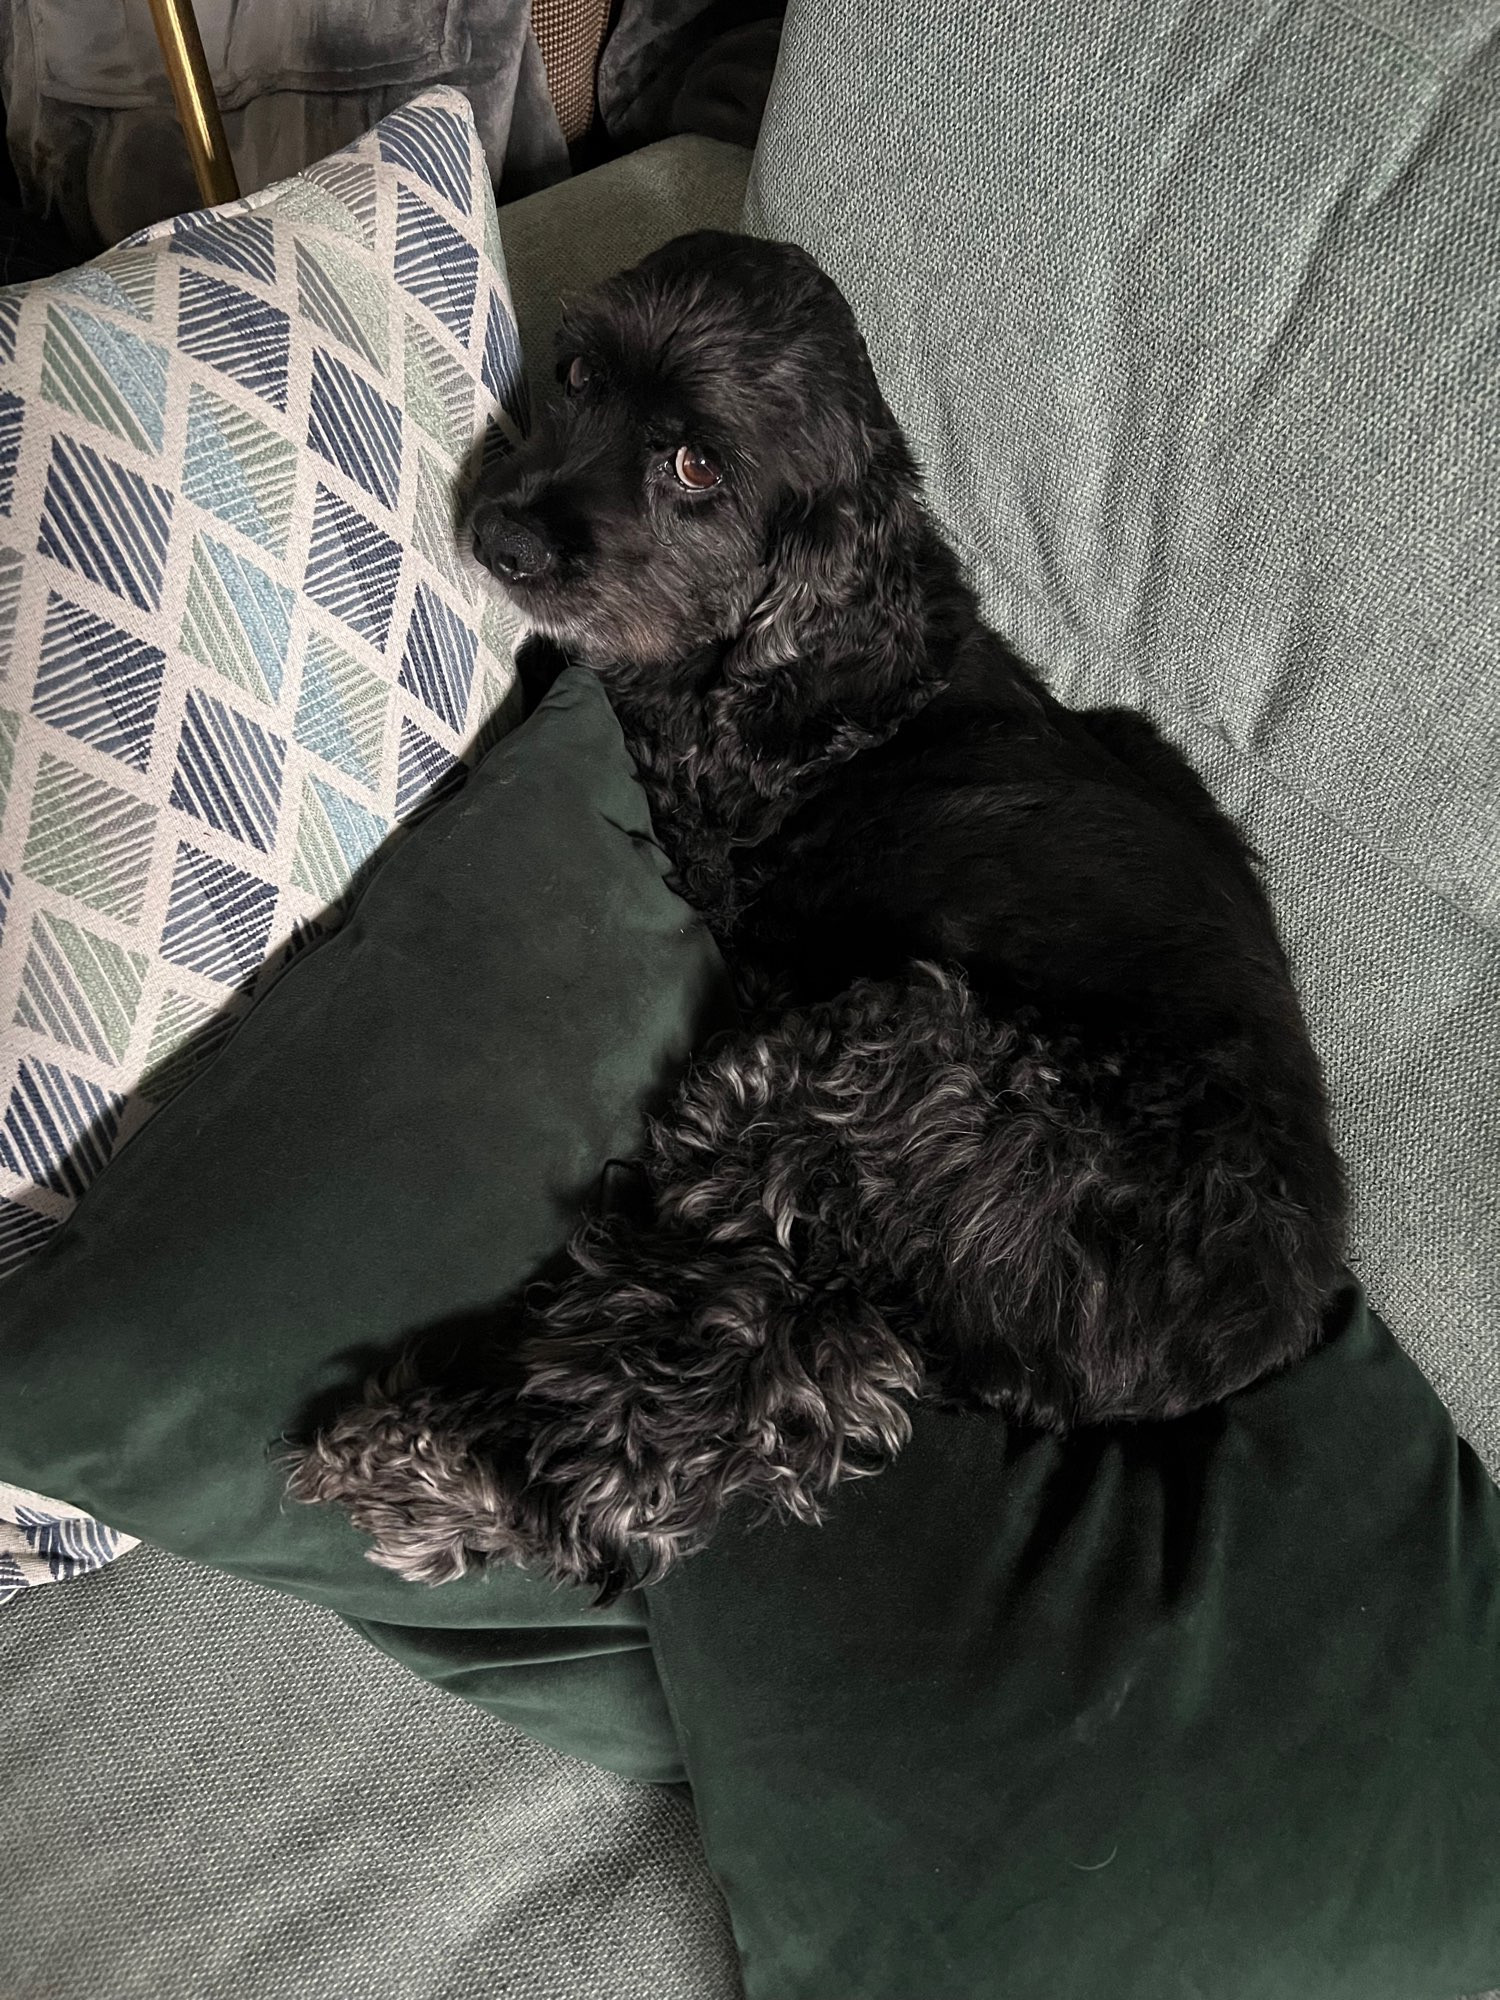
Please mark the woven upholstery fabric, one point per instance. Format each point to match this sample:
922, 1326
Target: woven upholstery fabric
239, 641
210, 1788
569, 34
1191, 316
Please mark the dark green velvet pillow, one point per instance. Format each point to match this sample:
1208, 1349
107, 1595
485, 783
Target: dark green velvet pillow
1208, 1709
401, 1132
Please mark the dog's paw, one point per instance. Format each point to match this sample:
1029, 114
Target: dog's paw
433, 1486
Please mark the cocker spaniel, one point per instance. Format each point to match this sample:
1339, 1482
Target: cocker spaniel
1024, 1111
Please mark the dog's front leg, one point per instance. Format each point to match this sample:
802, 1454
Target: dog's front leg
679, 1369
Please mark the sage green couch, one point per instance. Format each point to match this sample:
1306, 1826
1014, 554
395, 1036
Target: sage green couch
1191, 314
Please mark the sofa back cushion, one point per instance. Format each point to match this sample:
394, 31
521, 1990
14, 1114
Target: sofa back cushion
1191, 317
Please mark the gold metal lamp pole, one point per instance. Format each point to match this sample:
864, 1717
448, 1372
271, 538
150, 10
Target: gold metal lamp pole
197, 107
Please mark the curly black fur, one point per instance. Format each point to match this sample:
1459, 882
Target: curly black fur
1025, 1111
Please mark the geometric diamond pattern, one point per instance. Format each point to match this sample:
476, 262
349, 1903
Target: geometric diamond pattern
237, 620
12, 415
98, 683
89, 840
341, 715
352, 181
105, 521
218, 919
235, 332
12, 569
80, 988
237, 468
354, 428
439, 527
438, 666
228, 771
434, 263
434, 148
353, 568
58, 1127
339, 295
239, 242
437, 392
427, 773
242, 631
335, 837
500, 368
22, 1234
105, 373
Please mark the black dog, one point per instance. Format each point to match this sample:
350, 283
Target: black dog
1026, 1111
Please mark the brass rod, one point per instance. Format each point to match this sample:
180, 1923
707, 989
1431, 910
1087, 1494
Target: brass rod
193, 92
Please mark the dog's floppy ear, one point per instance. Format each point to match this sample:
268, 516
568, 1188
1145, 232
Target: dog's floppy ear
809, 568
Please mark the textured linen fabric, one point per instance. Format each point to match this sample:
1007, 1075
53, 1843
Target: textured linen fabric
1209, 1707
397, 1138
212, 1789
239, 643
1191, 314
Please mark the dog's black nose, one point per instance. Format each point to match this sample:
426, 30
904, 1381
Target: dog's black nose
515, 551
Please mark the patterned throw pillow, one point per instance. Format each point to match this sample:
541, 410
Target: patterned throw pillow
240, 640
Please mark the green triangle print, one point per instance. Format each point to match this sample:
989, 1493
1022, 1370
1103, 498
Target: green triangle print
123, 280
439, 395
10, 729
338, 294
342, 710
79, 989
238, 470
237, 620
435, 527
187, 1034
303, 200
335, 837
101, 372
498, 711
492, 249
89, 840
352, 184
12, 568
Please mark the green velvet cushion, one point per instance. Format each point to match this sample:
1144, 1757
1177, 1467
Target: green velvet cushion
403, 1130
1207, 1709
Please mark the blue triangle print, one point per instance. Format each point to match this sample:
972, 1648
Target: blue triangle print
352, 568
228, 771
426, 773
434, 147
438, 665
232, 330
435, 264
500, 366
98, 684
244, 243
218, 918
354, 428
59, 1129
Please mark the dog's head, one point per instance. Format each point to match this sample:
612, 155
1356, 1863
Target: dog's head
719, 429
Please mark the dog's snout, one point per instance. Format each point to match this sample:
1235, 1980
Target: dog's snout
514, 549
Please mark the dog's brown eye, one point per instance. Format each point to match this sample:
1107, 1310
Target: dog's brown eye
578, 374
694, 470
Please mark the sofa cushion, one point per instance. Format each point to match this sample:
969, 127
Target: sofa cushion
1190, 314
398, 1135
1202, 1707
239, 642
